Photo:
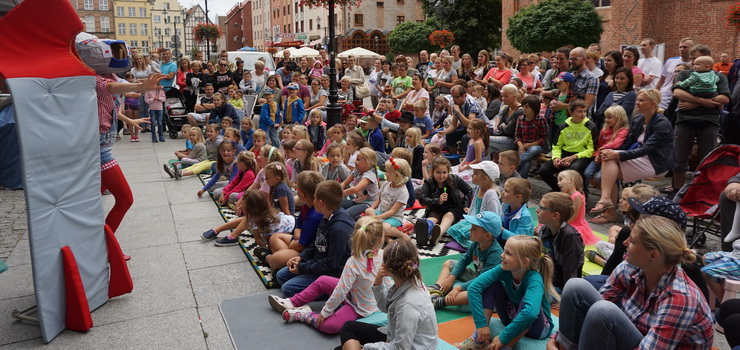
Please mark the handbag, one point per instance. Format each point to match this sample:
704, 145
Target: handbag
361, 91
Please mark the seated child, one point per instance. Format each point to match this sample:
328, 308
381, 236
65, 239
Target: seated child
416, 147
484, 252
335, 169
226, 122
485, 199
236, 99
329, 250
247, 133
246, 85
350, 296
185, 133
355, 142
517, 220
422, 119
371, 132
562, 241
571, 183
247, 166
508, 162
197, 152
431, 150
402, 153
225, 167
284, 246
392, 199
260, 219
259, 140
520, 290
337, 136
362, 185
445, 195
213, 141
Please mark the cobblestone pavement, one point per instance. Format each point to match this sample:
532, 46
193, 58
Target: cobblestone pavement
13, 224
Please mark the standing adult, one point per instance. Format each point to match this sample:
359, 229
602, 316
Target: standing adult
466, 70
665, 83
304, 67
585, 85
423, 64
286, 58
223, 77
323, 57
612, 62
285, 73
141, 71
724, 65
696, 119
649, 150
623, 94
446, 78
648, 302
630, 55
373, 81
463, 109
198, 56
195, 81
649, 64
456, 60
498, 75
560, 65
168, 68
182, 72
259, 75
418, 93
238, 73
483, 66
355, 73
531, 83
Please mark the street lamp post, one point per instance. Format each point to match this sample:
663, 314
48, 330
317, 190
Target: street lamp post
208, 42
333, 115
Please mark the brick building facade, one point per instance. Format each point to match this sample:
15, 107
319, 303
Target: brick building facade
237, 28
666, 21
97, 16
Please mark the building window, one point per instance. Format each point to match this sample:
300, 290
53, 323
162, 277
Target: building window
167, 5
132, 28
121, 29
142, 11
380, 4
400, 19
310, 24
145, 43
359, 20
103, 4
134, 43
303, 28
132, 11
601, 3
167, 32
157, 19
144, 29
89, 5
104, 24
177, 19
119, 11
157, 31
90, 24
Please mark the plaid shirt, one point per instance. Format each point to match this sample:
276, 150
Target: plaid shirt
585, 84
531, 130
674, 316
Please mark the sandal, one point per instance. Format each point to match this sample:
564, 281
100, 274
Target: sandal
601, 206
602, 219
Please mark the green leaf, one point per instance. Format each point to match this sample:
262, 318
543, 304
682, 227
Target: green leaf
551, 24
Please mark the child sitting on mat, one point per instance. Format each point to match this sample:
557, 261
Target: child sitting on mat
351, 295
484, 253
517, 220
520, 289
562, 242
412, 323
486, 198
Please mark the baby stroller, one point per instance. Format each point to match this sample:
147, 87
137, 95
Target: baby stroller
700, 198
175, 113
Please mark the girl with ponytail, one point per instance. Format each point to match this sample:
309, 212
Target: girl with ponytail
520, 290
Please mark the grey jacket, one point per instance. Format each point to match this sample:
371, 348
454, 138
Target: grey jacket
412, 323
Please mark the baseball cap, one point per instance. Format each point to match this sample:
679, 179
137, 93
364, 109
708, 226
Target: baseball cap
406, 117
489, 167
489, 220
293, 86
660, 206
268, 90
564, 76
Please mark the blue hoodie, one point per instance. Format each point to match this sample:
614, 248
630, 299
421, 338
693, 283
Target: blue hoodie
330, 250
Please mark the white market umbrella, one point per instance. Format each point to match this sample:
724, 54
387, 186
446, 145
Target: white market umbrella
280, 52
358, 52
304, 52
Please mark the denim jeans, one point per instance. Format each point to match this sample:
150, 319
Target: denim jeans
587, 321
157, 124
272, 134
354, 210
106, 142
499, 144
526, 159
593, 171
292, 284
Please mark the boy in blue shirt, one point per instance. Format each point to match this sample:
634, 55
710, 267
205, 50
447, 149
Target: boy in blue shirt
484, 253
517, 219
370, 129
422, 119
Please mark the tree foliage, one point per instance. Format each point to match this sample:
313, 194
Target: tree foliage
412, 37
475, 23
551, 24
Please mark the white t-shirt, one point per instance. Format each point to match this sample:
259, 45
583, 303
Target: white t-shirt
371, 189
666, 91
389, 195
651, 66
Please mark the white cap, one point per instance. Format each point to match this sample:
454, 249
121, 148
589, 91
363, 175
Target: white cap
490, 168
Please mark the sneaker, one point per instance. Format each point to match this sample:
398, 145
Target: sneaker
438, 301
261, 253
226, 241
421, 228
133, 139
436, 233
280, 304
591, 255
137, 139
434, 289
161, 139
154, 141
177, 172
298, 314
471, 344
168, 170
407, 228
210, 234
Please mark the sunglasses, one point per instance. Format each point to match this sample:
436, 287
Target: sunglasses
223, 65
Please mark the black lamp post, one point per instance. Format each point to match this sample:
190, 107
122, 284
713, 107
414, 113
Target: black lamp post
208, 41
333, 111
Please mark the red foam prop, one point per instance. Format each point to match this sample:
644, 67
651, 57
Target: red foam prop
120, 279
77, 315
50, 28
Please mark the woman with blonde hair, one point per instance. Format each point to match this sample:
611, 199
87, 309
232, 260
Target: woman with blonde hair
648, 302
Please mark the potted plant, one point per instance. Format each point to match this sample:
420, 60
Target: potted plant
733, 16
206, 31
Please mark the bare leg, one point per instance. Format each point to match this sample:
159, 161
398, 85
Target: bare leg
279, 241
234, 223
610, 173
132, 129
389, 232
444, 273
613, 233
192, 121
279, 259
351, 345
447, 220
